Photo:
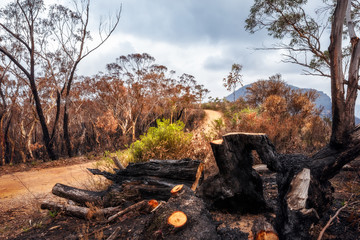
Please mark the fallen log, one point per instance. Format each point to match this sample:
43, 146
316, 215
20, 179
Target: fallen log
77, 195
78, 211
173, 172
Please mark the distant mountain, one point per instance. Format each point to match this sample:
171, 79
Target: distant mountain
323, 101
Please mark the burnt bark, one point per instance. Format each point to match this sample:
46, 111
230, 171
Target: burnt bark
304, 190
199, 224
149, 180
78, 211
238, 186
156, 172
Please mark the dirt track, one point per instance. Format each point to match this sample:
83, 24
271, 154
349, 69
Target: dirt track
41, 181
211, 115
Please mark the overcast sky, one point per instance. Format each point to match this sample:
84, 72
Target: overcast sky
199, 37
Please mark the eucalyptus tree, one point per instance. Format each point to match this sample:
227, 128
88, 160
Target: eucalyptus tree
21, 38
234, 78
70, 30
49, 45
303, 34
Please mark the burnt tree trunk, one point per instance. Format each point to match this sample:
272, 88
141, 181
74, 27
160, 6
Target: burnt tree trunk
154, 179
304, 190
148, 180
238, 186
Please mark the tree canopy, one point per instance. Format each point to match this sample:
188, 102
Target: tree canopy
305, 30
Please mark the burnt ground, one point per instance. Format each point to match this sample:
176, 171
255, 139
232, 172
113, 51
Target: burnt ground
29, 222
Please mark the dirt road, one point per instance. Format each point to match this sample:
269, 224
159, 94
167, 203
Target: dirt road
211, 115
42, 180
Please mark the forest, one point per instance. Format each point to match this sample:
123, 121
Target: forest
176, 172
62, 114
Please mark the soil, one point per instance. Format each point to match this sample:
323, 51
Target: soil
23, 187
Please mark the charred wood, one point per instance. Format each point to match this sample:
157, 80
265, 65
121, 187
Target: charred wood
199, 224
78, 211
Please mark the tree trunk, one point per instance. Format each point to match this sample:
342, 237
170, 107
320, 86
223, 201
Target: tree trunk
66, 130
343, 120
304, 190
163, 172
238, 186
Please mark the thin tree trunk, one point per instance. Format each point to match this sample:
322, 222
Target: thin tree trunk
339, 118
66, 130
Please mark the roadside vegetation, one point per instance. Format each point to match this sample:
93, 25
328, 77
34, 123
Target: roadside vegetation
289, 117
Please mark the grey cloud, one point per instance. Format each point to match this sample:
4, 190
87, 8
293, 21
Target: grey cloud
185, 21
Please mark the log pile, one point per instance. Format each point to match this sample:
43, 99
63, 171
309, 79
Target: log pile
155, 179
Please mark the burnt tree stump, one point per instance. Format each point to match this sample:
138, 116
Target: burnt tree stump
238, 186
304, 190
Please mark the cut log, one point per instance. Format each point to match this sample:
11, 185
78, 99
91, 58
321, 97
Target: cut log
77, 211
173, 172
263, 230
175, 190
184, 216
77, 195
177, 219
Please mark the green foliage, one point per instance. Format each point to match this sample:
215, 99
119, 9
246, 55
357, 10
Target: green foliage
297, 28
106, 162
166, 141
53, 213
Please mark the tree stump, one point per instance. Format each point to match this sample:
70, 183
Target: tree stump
238, 186
184, 216
304, 190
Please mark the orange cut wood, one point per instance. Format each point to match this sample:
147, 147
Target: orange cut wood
177, 219
266, 235
176, 189
153, 203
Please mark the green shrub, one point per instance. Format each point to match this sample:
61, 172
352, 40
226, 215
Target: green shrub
166, 141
